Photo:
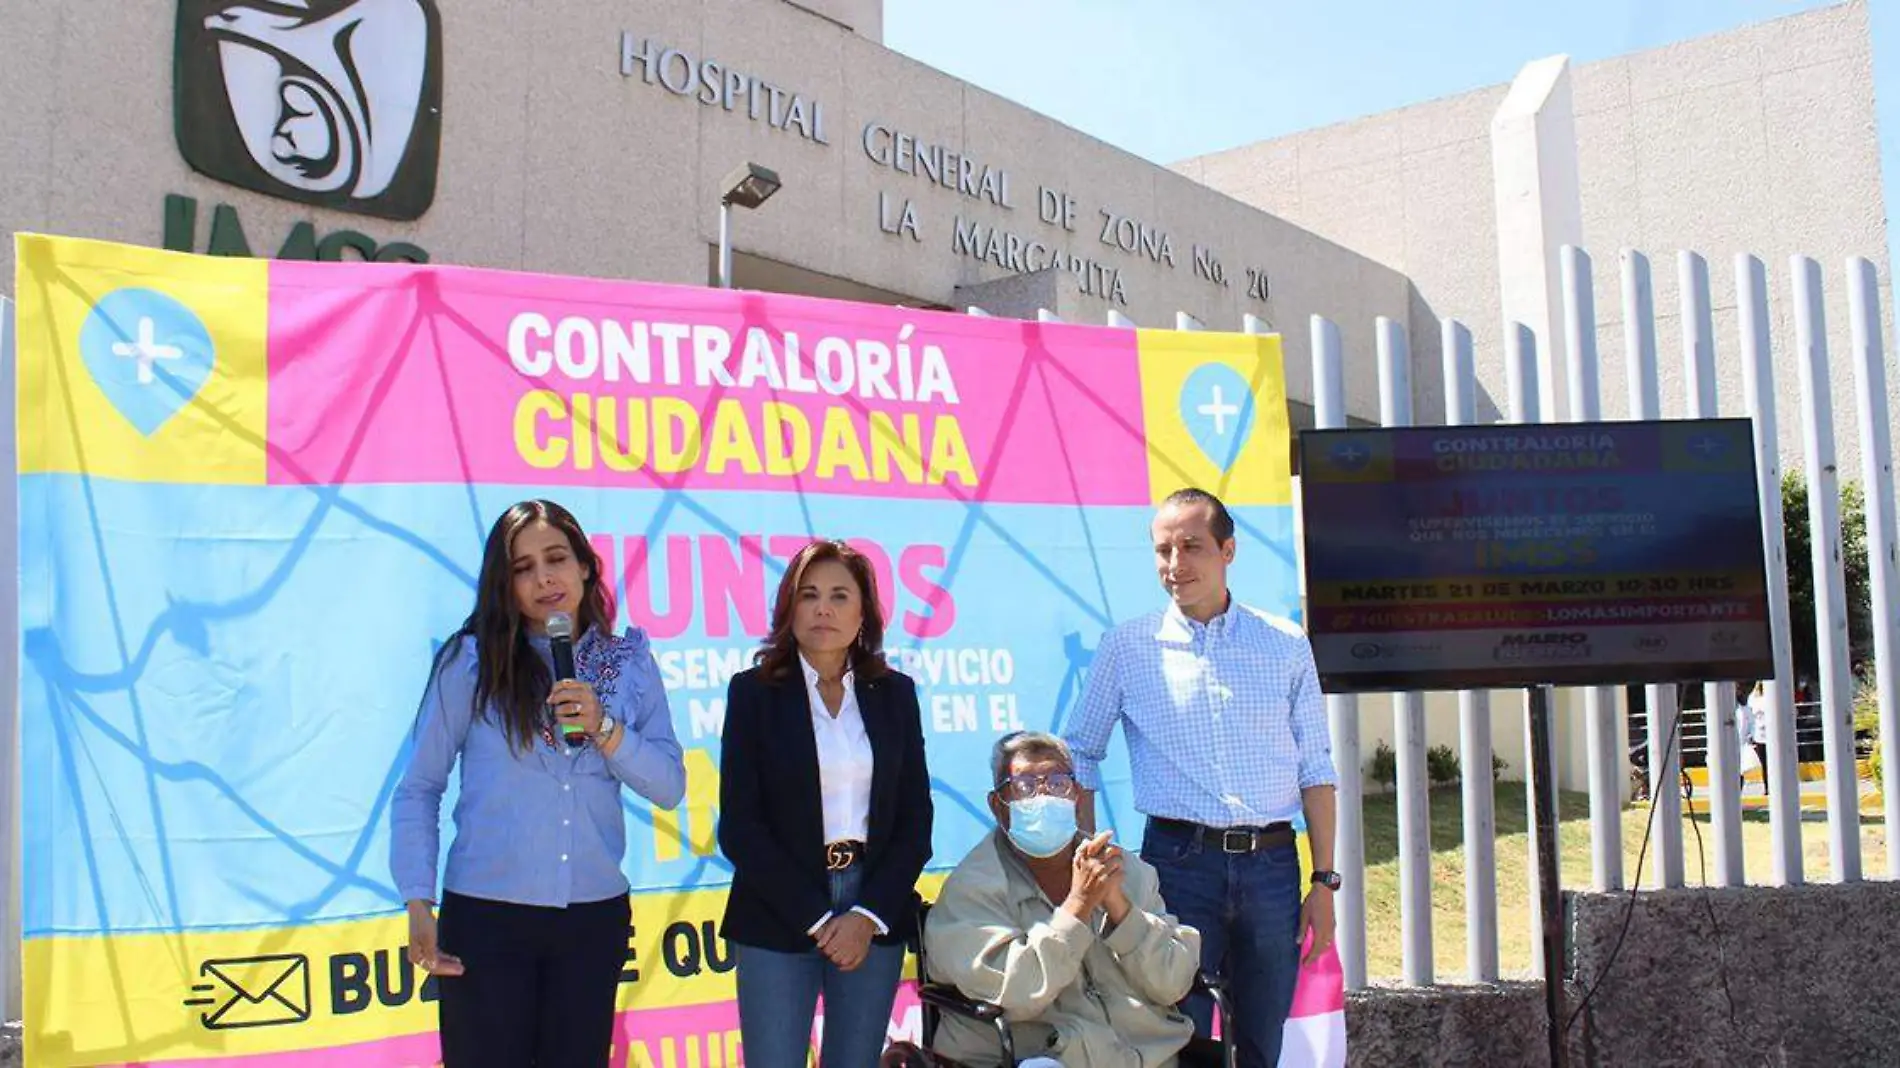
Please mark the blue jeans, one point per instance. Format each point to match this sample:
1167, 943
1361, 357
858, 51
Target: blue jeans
1247, 908
778, 998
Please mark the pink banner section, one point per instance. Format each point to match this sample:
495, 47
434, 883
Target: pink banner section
1321, 988
401, 374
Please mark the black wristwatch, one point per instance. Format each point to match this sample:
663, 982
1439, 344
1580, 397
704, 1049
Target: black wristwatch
1328, 879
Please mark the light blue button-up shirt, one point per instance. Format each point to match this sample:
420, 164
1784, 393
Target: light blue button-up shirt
541, 827
1225, 720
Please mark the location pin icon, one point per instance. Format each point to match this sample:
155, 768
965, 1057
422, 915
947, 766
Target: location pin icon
148, 353
1217, 407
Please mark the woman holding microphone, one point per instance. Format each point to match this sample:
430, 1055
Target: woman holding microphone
825, 816
532, 935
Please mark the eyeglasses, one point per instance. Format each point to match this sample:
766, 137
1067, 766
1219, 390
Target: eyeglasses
1023, 787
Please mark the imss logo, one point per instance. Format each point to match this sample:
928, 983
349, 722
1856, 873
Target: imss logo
335, 103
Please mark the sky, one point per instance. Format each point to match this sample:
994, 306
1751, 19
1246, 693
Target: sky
1170, 79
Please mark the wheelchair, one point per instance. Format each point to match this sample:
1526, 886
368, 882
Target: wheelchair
939, 998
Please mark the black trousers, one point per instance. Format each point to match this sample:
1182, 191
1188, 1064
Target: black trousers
539, 986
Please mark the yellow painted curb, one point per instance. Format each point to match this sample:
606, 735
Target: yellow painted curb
1809, 771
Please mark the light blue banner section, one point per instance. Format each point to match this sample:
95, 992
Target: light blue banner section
218, 682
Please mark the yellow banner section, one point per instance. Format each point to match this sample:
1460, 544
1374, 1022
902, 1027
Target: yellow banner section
1214, 406
157, 997
139, 364
1480, 588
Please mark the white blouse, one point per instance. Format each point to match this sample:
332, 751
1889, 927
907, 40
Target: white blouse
844, 760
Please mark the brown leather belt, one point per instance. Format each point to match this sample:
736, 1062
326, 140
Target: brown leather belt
841, 855
1230, 839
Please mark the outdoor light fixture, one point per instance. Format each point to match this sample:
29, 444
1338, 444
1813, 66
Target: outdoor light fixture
748, 185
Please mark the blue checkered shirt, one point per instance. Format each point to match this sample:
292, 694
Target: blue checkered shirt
1225, 720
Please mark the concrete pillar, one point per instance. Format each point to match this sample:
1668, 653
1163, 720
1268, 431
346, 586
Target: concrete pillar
1539, 210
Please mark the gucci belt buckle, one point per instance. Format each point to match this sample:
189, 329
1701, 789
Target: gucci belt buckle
838, 856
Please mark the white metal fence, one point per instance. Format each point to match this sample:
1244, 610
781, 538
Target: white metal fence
1717, 747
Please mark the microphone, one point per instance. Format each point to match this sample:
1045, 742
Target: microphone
561, 645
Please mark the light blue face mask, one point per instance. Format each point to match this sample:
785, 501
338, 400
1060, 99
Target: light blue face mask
1042, 826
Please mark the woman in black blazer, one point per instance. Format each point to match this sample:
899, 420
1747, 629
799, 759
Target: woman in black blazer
825, 816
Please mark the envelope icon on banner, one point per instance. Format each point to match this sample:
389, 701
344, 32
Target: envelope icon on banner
253, 991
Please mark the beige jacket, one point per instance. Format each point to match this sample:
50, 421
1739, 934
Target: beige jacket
1089, 1000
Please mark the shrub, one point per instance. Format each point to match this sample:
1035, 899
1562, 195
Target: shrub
1384, 766
1867, 722
1497, 767
1866, 707
1854, 567
1867, 725
1441, 764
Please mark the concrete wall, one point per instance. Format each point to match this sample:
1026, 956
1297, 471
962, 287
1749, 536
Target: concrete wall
862, 17
1814, 971
1410, 189
554, 161
1761, 140
1448, 1026
1508, 728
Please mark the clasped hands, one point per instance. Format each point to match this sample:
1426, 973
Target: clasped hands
1096, 881
845, 939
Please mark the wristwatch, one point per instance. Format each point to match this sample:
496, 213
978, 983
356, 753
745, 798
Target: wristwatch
1328, 879
607, 727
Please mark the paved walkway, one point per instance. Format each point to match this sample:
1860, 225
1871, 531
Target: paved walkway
1813, 790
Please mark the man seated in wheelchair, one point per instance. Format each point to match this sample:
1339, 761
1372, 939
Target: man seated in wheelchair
1068, 935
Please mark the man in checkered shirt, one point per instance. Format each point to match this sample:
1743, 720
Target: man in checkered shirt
1227, 742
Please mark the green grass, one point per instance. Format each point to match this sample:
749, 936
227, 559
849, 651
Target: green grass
1383, 947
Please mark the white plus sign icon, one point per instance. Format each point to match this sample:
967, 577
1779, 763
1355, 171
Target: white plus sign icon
146, 350
1707, 446
1219, 410
1350, 455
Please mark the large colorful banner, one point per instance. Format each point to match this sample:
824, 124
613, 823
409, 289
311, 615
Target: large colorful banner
253, 497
